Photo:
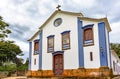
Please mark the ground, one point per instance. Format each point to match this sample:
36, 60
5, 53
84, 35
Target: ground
23, 77
20, 77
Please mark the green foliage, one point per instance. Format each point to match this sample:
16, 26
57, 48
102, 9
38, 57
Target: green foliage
8, 67
19, 61
4, 31
116, 48
23, 66
12, 67
9, 51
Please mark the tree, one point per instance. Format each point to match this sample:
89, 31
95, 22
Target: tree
24, 66
18, 61
116, 48
4, 31
9, 51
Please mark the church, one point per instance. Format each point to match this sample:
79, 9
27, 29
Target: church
69, 44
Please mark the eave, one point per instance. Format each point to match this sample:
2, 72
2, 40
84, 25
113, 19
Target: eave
37, 33
98, 20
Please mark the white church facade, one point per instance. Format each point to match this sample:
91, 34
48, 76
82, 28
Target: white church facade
69, 45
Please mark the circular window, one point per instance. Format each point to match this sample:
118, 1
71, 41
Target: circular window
57, 22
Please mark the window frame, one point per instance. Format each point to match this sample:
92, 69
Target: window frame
48, 38
38, 50
89, 42
68, 35
91, 56
57, 22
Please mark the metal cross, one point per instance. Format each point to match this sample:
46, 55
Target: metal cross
58, 7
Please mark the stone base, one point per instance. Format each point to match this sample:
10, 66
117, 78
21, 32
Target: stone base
40, 73
80, 72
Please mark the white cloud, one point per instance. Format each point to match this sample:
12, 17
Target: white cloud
84, 3
115, 26
114, 34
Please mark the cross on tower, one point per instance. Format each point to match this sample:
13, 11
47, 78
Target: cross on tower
58, 7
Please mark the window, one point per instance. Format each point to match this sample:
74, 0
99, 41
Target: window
91, 56
57, 22
88, 36
66, 40
34, 61
36, 47
50, 40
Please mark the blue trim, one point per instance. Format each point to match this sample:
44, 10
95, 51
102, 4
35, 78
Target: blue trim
50, 36
65, 32
80, 44
102, 44
109, 51
58, 52
40, 55
88, 26
30, 55
36, 40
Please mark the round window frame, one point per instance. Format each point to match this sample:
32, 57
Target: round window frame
58, 19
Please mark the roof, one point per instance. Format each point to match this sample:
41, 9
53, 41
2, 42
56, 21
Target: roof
80, 15
64, 12
98, 20
37, 33
57, 11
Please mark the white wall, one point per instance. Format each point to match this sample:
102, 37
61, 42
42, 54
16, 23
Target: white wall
108, 50
93, 48
34, 67
71, 55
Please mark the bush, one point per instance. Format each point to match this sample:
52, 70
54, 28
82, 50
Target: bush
8, 67
2, 68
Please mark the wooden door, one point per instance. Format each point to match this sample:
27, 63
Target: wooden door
58, 64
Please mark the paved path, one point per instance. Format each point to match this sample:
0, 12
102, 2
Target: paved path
19, 77
23, 77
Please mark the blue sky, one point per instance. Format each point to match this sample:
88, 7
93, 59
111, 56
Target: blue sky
26, 16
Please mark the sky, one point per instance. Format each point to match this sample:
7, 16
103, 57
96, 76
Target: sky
26, 16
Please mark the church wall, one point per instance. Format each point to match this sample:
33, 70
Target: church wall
70, 58
34, 57
69, 23
92, 48
76, 60
108, 48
